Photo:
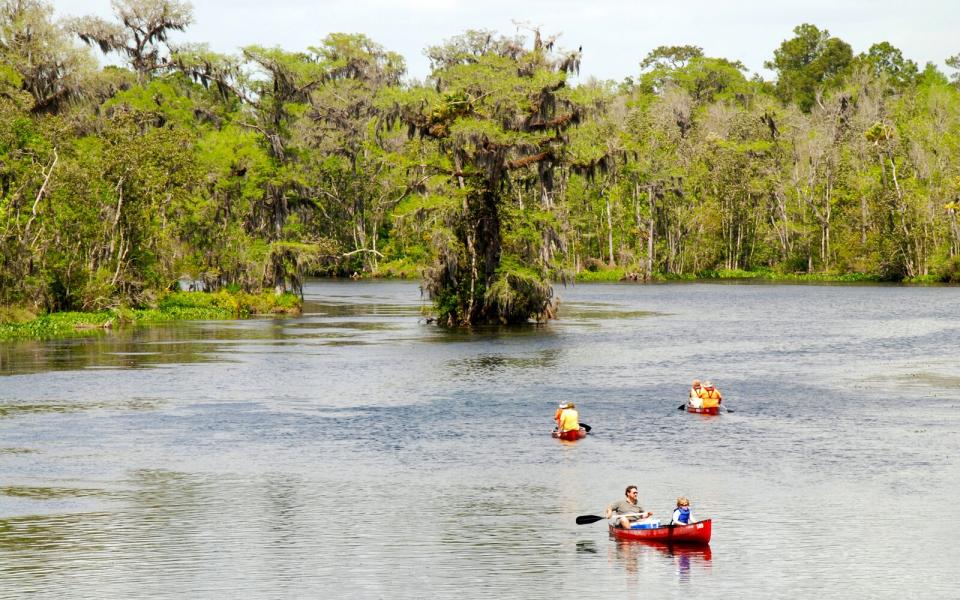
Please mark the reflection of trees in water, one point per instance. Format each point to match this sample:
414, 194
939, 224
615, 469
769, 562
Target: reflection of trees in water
136, 347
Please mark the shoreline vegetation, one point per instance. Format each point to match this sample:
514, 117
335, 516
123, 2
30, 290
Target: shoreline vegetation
22, 324
502, 172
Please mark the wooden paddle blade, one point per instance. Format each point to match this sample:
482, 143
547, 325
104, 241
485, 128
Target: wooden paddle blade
584, 519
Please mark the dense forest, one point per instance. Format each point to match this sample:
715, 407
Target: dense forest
489, 180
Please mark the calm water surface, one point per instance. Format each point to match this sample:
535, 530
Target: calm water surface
356, 452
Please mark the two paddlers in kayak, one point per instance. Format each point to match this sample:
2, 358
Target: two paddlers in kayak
704, 395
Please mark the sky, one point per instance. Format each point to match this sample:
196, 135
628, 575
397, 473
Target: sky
615, 34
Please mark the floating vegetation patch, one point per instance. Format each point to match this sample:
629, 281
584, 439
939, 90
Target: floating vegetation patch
12, 410
17, 451
174, 306
50, 493
931, 380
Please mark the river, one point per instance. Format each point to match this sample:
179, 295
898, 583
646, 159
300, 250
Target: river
358, 452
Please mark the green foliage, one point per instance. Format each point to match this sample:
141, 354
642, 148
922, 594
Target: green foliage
494, 177
949, 270
519, 294
176, 306
602, 275
57, 325
15, 314
808, 64
885, 60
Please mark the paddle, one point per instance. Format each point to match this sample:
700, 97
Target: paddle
586, 427
585, 519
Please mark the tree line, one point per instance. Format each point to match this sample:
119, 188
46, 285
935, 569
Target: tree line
490, 179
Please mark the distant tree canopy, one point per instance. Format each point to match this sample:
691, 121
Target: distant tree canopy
491, 181
809, 64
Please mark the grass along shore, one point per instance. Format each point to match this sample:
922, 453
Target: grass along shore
21, 324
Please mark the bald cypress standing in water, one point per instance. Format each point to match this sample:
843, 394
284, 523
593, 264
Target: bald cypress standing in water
493, 121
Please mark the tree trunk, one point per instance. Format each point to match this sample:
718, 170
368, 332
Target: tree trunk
609, 232
650, 234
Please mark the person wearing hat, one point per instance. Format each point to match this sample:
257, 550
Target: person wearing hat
696, 394
556, 417
711, 396
568, 419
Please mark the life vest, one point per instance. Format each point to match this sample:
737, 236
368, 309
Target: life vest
569, 420
711, 398
682, 514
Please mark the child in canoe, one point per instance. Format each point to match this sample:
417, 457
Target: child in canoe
681, 514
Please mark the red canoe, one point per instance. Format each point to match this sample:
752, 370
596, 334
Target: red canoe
712, 410
695, 533
573, 434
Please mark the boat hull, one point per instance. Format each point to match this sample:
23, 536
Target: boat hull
709, 410
571, 435
695, 533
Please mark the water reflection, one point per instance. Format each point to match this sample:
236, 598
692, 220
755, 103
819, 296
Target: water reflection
587, 547
634, 555
493, 363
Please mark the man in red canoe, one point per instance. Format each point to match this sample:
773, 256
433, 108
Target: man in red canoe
628, 508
